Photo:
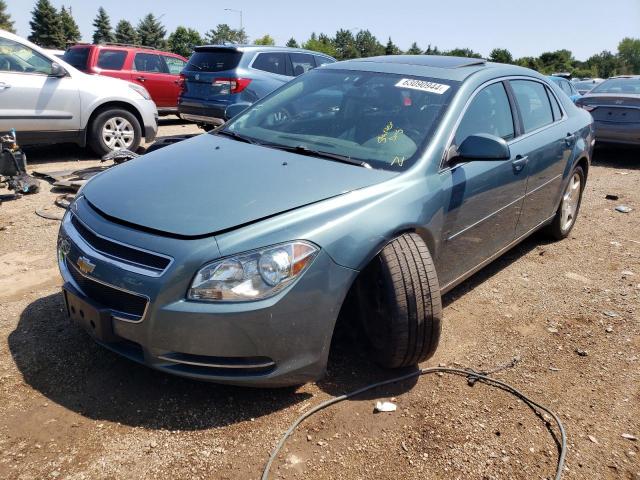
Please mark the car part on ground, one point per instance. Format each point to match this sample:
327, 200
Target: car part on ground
166, 141
48, 101
219, 81
428, 167
472, 377
13, 167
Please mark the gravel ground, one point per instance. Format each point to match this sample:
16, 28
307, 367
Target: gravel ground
568, 311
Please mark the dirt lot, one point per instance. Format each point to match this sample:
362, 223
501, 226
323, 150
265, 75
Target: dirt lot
72, 410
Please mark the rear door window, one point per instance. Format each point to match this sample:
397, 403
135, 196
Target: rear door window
150, 62
175, 65
272, 62
489, 112
77, 57
555, 106
533, 103
111, 59
301, 63
215, 60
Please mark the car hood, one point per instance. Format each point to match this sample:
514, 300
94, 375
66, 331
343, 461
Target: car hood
210, 184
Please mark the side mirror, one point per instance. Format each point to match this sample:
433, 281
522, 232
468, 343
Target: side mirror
235, 109
57, 70
482, 147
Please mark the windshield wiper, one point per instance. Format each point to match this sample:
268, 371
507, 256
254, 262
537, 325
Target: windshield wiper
237, 136
302, 150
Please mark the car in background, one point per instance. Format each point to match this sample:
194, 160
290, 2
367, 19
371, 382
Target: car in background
368, 187
221, 80
566, 86
587, 84
615, 107
48, 101
157, 71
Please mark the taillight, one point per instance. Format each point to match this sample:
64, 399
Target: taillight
588, 108
231, 85
182, 83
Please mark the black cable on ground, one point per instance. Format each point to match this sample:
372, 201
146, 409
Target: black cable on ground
470, 374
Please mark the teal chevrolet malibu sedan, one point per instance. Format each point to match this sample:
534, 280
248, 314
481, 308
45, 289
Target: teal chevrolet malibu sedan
371, 186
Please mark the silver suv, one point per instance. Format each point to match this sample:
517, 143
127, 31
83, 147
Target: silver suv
48, 101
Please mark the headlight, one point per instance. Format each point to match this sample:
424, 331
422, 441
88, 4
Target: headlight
253, 275
140, 90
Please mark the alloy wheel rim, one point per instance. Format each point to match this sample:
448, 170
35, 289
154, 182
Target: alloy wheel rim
570, 201
117, 133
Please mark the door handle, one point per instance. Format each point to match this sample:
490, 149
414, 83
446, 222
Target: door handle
141, 79
4, 86
569, 139
519, 163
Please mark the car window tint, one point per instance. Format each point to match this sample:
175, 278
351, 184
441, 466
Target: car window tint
557, 112
271, 62
213, 60
322, 60
302, 63
175, 65
111, 59
149, 62
15, 57
533, 103
77, 57
488, 112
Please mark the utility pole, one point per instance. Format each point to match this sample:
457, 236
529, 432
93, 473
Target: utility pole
237, 11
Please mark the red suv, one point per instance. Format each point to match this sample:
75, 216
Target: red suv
157, 71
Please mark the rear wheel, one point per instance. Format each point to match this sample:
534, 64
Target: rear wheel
569, 207
399, 303
115, 129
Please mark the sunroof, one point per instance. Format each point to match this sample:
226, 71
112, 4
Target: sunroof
431, 60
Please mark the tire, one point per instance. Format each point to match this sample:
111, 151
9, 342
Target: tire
119, 121
562, 225
399, 302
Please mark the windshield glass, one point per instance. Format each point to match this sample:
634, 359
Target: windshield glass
77, 57
618, 85
379, 118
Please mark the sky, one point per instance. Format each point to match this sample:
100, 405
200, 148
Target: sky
526, 28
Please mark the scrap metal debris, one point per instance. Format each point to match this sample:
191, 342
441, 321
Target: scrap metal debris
385, 407
13, 168
623, 209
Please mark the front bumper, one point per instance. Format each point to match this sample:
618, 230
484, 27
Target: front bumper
283, 340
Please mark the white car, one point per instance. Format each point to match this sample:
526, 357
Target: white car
48, 101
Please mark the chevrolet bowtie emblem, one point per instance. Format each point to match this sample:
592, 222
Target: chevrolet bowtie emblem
85, 265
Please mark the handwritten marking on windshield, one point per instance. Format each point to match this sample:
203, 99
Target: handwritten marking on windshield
398, 160
388, 134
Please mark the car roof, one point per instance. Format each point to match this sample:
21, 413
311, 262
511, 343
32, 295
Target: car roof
434, 66
259, 48
124, 46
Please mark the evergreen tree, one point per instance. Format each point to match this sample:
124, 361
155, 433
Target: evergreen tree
292, 43
323, 44
5, 19
414, 49
392, 48
103, 32
183, 40
501, 55
462, 52
345, 45
223, 33
70, 28
46, 28
151, 32
432, 51
367, 44
125, 33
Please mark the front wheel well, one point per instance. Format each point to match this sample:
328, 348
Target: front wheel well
112, 106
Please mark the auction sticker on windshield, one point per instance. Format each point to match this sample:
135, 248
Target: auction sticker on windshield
423, 86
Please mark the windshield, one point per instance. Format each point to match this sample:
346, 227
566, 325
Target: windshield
378, 118
213, 60
77, 57
618, 85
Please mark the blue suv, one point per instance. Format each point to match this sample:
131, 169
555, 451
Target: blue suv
219, 81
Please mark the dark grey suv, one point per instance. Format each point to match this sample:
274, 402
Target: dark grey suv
220, 80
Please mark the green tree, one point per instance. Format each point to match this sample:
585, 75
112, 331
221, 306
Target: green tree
70, 28
414, 49
292, 43
501, 55
392, 48
528, 62
322, 44
604, 64
103, 32
345, 45
182, 41
265, 40
367, 44
46, 28
462, 52
557, 61
629, 53
432, 51
5, 19
223, 33
125, 33
151, 32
